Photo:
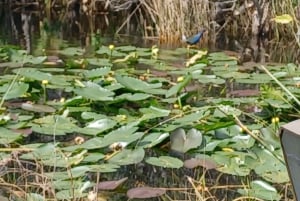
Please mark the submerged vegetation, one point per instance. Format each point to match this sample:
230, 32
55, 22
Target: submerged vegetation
142, 122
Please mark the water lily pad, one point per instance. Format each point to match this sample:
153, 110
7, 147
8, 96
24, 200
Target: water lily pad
105, 167
53, 125
165, 162
127, 157
7, 136
94, 92
152, 139
260, 189
37, 108
97, 72
111, 185
33, 73
153, 112
202, 162
135, 84
182, 142
14, 91
145, 192
133, 97
72, 51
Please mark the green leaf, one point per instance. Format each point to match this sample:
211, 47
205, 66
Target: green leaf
98, 126
99, 62
8, 136
94, 92
37, 108
105, 167
14, 91
153, 112
97, 72
136, 84
33, 73
127, 157
72, 51
70, 194
165, 162
152, 139
133, 97
179, 86
182, 142
260, 189
54, 125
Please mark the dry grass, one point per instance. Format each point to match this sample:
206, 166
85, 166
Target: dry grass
174, 18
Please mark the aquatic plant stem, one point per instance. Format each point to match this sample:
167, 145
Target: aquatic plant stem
281, 85
237, 120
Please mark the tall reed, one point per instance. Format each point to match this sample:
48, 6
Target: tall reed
172, 18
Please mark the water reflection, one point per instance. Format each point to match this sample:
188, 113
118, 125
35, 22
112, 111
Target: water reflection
35, 28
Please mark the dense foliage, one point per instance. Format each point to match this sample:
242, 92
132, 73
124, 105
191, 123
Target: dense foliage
62, 120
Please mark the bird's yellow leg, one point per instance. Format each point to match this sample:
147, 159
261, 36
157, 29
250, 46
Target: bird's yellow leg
188, 50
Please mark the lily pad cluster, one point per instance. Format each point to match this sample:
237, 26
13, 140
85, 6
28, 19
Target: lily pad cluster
101, 112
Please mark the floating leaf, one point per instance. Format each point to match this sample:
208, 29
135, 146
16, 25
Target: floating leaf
72, 51
70, 194
135, 84
133, 97
99, 62
111, 185
262, 190
54, 125
97, 72
14, 91
202, 162
165, 162
153, 112
33, 73
8, 136
37, 108
98, 126
127, 157
153, 139
105, 167
182, 142
94, 92
145, 192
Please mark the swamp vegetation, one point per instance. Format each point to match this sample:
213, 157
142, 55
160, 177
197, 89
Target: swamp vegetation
101, 117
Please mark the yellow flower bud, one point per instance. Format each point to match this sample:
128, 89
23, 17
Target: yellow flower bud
111, 47
180, 79
45, 82
175, 106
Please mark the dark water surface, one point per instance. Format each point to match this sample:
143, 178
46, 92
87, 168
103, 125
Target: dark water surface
36, 29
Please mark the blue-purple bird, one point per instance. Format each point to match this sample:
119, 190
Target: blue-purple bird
193, 39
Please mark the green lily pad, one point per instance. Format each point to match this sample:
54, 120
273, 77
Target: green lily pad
94, 92
165, 162
260, 189
182, 142
127, 157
